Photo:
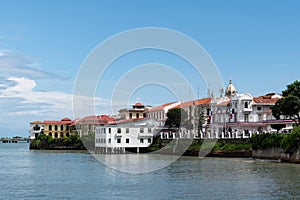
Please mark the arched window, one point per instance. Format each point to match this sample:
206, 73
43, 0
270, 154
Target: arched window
50, 134
36, 128
50, 127
61, 127
61, 135
246, 104
55, 127
67, 134
55, 135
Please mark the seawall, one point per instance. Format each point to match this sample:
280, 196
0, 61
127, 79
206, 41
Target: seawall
276, 153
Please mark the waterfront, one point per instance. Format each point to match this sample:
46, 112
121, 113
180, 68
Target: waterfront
31, 174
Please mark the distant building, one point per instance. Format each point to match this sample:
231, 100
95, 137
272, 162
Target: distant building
242, 114
159, 113
58, 129
136, 112
86, 125
125, 134
36, 128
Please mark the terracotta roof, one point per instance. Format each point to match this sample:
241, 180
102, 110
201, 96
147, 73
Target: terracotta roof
57, 122
93, 119
36, 122
138, 104
161, 107
224, 103
265, 100
205, 101
66, 119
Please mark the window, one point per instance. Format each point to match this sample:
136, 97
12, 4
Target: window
259, 117
119, 140
55, 135
50, 127
67, 134
61, 135
246, 118
55, 127
61, 127
67, 128
246, 104
130, 115
144, 115
127, 140
50, 134
36, 128
109, 140
258, 108
149, 140
109, 130
141, 130
149, 130
119, 130
141, 140
137, 115
127, 130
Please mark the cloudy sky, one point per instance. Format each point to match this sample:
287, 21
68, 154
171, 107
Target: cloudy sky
44, 43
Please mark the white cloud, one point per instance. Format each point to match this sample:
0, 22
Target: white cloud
14, 64
50, 104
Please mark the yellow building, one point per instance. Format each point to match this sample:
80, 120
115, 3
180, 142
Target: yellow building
58, 129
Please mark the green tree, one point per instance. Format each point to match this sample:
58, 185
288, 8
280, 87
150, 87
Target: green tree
289, 105
290, 143
200, 118
176, 117
89, 140
292, 89
277, 126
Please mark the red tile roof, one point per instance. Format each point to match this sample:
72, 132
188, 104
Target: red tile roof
57, 122
225, 103
205, 101
265, 100
138, 104
161, 107
93, 119
36, 122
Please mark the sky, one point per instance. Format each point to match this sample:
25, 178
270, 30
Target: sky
43, 45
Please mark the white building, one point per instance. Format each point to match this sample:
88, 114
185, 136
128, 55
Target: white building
136, 112
159, 113
241, 115
125, 135
36, 128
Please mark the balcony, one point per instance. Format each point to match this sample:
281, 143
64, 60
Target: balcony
247, 110
118, 134
145, 135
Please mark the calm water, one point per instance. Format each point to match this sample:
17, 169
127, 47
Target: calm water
26, 174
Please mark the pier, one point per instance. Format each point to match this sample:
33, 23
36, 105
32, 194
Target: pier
14, 140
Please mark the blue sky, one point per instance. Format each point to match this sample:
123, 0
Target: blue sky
43, 44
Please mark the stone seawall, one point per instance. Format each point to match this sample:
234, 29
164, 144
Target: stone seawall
276, 153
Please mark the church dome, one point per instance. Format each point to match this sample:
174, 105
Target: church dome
230, 90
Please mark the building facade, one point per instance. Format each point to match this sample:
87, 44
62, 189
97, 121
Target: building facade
136, 112
58, 129
125, 134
